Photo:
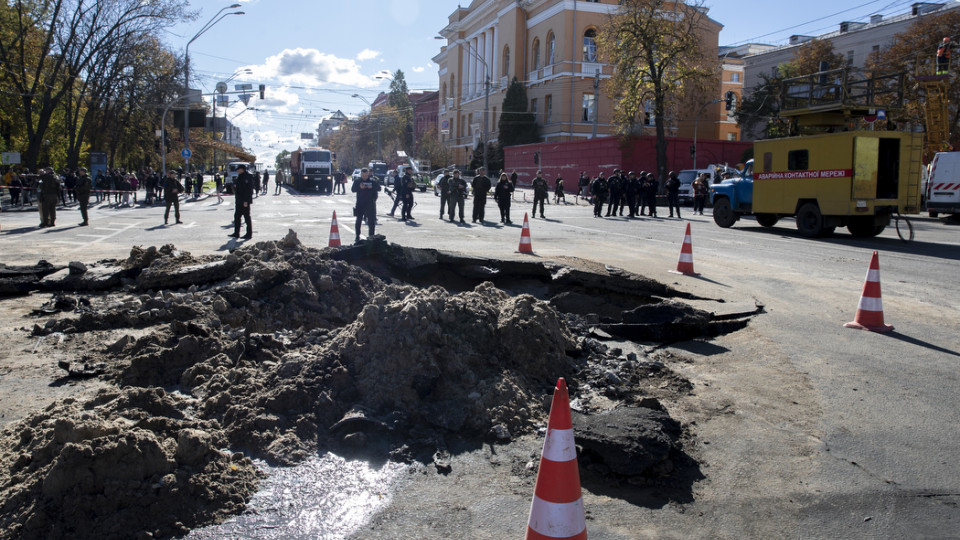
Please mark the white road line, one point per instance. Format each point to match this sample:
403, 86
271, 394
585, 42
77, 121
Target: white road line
95, 235
101, 238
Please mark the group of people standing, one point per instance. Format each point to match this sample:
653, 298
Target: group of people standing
637, 193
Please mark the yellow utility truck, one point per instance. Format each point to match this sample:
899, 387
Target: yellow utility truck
837, 178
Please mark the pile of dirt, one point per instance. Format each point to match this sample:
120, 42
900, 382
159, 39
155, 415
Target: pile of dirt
126, 464
279, 351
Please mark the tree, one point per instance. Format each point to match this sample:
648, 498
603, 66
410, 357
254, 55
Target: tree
516, 125
655, 48
430, 148
759, 112
494, 158
912, 52
399, 100
48, 47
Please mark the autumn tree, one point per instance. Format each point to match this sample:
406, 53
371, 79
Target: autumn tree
399, 100
516, 124
758, 113
655, 49
430, 148
48, 47
913, 53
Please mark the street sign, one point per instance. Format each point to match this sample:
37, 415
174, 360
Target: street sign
445, 125
306, 136
194, 95
881, 114
186, 153
245, 98
11, 158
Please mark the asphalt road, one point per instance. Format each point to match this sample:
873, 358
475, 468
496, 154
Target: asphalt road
805, 429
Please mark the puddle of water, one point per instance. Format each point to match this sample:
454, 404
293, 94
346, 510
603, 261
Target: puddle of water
324, 497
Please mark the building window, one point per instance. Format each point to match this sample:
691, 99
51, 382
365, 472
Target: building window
649, 118
493, 117
590, 45
536, 54
551, 49
547, 109
506, 61
589, 107
849, 58
735, 77
533, 106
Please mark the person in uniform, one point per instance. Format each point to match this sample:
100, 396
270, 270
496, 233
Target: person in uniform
650, 187
599, 191
503, 193
49, 195
943, 57
613, 185
458, 194
700, 190
366, 189
540, 189
172, 188
409, 186
481, 185
243, 188
82, 192
444, 185
673, 193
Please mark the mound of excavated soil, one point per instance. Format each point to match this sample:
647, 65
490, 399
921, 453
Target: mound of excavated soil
280, 351
123, 465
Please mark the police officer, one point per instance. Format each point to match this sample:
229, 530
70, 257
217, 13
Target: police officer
613, 185
631, 191
673, 193
49, 195
444, 185
481, 185
540, 189
503, 193
82, 192
398, 188
650, 187
558, 192
599, 189
172, 188
458, 194
243, 188
409, 186
366, 189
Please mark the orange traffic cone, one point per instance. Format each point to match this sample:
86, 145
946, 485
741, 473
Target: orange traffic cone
526, 246
870, 310
685, 264
334, 232
557, 508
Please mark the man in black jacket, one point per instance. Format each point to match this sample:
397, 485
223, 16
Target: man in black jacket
243, 194
366, 188
481, 185
172, 188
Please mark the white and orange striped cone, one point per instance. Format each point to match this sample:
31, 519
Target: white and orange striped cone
870, 310
526, 246
685, 264
334, 232
557, 508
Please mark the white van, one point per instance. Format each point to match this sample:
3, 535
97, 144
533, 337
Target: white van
942, 189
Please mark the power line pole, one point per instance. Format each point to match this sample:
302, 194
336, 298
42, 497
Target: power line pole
486, 108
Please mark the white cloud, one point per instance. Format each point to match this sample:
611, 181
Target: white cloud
311, 67
419, 69
367, 54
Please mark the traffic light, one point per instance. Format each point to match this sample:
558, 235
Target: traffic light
729, 100
263, 88
693, 151
536, 157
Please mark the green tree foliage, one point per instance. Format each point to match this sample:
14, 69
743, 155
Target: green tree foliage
494, 158
516, 125
655, 48
430, 148
399, 100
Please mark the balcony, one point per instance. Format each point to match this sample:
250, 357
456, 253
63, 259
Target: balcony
590, 69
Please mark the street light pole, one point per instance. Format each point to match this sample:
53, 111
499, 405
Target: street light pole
696, 120
186, 75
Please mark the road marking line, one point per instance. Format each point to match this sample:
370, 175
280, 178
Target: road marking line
95, 235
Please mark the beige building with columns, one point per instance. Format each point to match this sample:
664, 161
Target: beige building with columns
550, 46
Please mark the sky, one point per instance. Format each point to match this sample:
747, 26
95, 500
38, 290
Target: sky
314, 55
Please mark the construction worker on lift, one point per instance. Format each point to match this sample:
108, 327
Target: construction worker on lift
943, 57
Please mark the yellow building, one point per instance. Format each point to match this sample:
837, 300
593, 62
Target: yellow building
550, 46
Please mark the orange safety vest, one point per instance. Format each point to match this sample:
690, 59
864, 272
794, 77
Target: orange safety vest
943, 51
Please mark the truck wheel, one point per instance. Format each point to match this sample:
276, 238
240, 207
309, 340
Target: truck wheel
810, 220
934, 214
863, 227
767, 220
723, 214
